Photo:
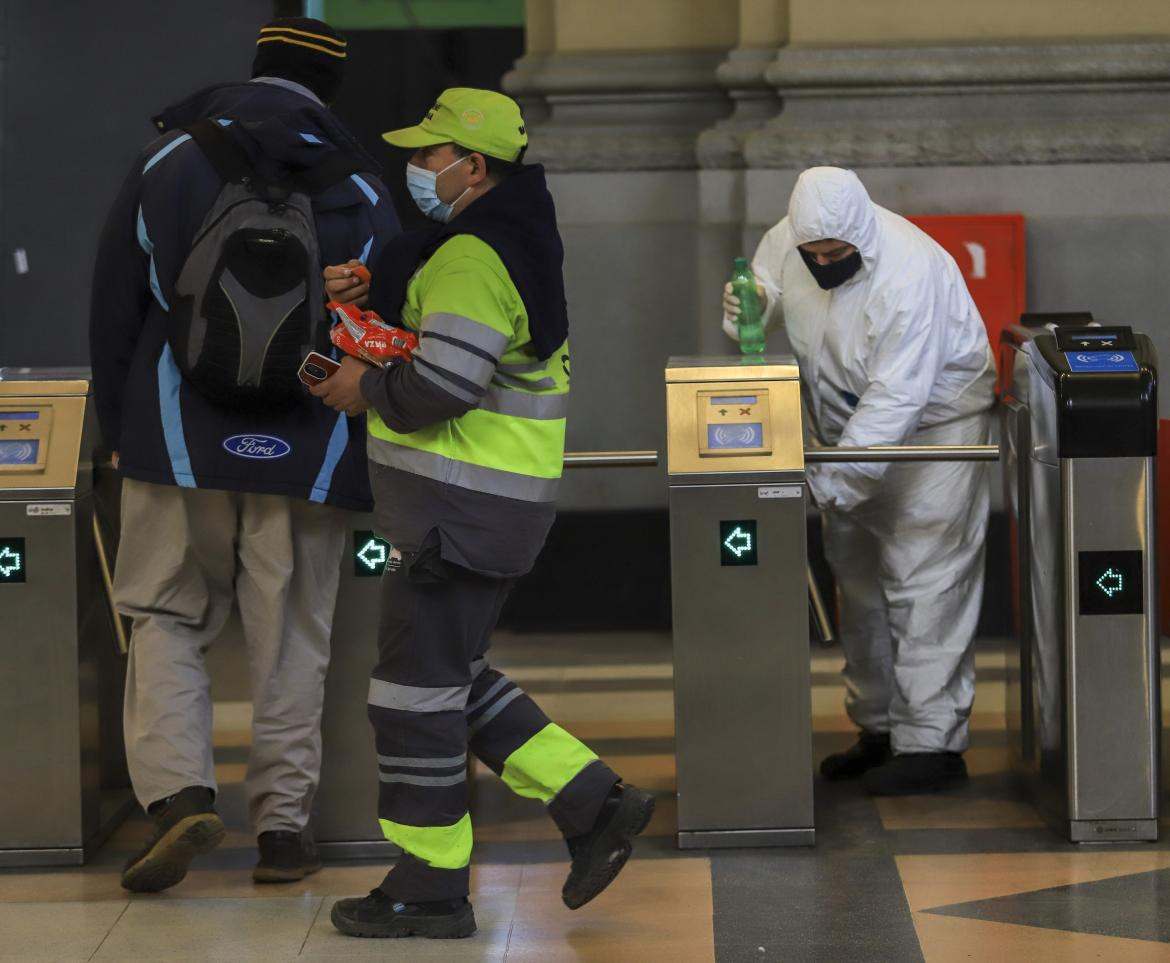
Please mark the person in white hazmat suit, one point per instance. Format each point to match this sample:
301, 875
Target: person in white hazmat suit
892, 351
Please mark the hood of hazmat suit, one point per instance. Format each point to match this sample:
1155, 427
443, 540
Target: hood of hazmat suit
898, 348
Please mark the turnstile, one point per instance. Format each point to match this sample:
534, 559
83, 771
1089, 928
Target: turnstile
345, 811
743, 736
1079, 434
61, 666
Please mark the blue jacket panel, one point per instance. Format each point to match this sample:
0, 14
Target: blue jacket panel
163, 429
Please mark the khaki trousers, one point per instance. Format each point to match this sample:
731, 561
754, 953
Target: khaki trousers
185, 555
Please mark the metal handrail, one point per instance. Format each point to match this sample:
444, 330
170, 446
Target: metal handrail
103, 557
903, 453
610, 459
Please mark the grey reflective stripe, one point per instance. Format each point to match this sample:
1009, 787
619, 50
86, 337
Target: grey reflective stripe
409, 762
466, 329
477, 666
544, 384
433, 781
486, 697
450, 357
517, 369
412, 698
494, 711
435, 378
490, 481
521, 404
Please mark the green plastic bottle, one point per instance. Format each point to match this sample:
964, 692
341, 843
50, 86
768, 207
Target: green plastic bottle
750, 322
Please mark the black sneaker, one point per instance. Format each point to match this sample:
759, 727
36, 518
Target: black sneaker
378, 916
871, 749
285, 857
599, 855
914, 773
185, 826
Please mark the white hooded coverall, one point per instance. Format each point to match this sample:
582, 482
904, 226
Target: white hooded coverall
898, 354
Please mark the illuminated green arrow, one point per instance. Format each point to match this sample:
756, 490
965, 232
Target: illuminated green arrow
10, 562
373, 554
1111, 582
738, 542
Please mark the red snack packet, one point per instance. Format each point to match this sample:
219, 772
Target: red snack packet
364, 335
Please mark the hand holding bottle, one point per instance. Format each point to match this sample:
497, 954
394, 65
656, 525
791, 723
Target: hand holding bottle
731, 307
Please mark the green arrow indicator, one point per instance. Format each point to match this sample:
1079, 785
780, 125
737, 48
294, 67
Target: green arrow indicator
10, 562
373, 554
738, 542
1111, 582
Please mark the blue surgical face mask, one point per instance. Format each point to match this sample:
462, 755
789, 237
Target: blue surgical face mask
421, 184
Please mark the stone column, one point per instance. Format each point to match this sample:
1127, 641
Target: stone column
628, 84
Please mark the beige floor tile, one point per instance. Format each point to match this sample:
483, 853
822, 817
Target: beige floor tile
60, 885
931, 881
584, 945
657, 910
590, 729
655, 773
634, 705
230, 773
948, 939
56, 931
493, 915
168, 927
956, 812
684, 873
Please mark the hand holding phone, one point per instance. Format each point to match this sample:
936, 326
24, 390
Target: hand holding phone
316, 368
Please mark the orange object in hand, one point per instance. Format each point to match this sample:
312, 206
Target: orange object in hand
364, 335
361, 272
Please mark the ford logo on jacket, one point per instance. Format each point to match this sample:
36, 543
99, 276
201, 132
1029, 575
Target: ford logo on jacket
256, 446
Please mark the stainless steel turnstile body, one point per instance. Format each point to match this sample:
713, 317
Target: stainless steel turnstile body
345, 810
740, 600
61, 668
1079, 430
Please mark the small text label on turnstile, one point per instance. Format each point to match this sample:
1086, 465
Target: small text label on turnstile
737, 542
778, 491
1110, 583
13, 561
51, 509
372, 555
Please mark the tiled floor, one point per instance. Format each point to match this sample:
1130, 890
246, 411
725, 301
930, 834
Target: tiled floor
970, 875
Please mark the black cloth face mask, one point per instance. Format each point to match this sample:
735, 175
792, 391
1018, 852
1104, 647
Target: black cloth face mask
835, 274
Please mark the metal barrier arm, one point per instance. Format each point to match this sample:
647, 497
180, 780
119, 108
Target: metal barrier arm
610, 459
903, 453
103, 557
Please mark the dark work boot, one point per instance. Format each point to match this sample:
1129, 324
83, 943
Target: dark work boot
871, 749
185, 825
285, 857
918, 772
378, 916
599, 855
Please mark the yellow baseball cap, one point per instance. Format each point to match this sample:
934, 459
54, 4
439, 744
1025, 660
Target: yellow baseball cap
479, 120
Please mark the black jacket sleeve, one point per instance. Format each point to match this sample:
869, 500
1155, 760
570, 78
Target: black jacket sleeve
120, 298
406, 401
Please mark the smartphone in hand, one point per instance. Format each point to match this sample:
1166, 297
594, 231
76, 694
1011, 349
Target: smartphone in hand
316, 368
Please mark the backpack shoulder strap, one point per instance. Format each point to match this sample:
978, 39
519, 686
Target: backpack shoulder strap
226, 155
335, 167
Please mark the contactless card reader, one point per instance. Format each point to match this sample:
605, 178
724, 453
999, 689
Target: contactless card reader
1097, 349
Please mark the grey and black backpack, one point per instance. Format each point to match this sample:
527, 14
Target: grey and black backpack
249, 302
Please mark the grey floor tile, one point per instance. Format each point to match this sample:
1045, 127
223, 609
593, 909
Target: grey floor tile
169, 929
1131, 906
55, 931
493, 913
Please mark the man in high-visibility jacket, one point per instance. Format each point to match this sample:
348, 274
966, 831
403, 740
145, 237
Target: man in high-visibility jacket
466, 447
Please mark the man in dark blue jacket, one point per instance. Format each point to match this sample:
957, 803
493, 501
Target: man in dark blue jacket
222, 504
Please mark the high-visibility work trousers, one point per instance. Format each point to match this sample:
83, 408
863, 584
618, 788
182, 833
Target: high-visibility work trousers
433, 697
